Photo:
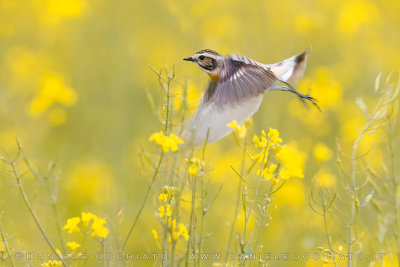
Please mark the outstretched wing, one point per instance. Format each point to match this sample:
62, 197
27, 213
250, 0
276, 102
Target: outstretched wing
240, 80
236, 96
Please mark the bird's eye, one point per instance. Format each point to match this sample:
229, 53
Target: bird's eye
202, 57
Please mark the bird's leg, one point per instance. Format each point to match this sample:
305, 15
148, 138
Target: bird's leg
290, 88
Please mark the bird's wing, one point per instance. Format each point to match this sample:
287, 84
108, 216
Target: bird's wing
236, 96
240, 80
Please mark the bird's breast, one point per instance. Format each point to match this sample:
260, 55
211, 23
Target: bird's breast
214, 76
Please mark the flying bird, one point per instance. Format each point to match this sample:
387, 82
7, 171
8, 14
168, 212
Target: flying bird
236, 90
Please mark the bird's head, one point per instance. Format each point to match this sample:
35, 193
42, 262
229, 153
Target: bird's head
209, 60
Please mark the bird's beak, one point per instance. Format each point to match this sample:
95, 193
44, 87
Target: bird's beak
189, 59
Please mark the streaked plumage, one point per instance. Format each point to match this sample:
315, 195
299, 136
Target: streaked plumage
236, 90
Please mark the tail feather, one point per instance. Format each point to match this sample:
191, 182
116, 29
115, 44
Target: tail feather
291, 69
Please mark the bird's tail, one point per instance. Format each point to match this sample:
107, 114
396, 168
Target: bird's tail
291, 69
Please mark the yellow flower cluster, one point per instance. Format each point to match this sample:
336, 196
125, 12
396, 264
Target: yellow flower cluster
166, 198
179, 231
240, 130
97, 226
166, 142
273, 135
290, 161
175, 230
73, 245
260, 143
273, 139
269, 172
194, 165
51, 264
72, 225
53, 91
165, 210
168, 194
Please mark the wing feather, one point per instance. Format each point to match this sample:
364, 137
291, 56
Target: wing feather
236, 96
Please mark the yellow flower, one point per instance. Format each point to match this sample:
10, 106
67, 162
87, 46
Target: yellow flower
179, 231
260, 143
99, 230
292, 161
273, 135
175, 139
86, 217
165, 210
291, 172
154, 233
193, 170
58, 251
73, 245
322, 152
161, 209
257, 142
183, 231
53, 91
163, 197
268, 172
194, 165
292, 193
72, 225
165, 142
51, 264
168, 211
240, 130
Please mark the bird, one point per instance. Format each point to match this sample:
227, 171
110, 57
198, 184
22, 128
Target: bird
236, 89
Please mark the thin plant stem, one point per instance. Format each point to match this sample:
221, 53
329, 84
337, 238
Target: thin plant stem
238, 194
157, 168
328, 235
202, 219
45, 180
29, 206
203, 211
247, 216
353, 192
3, 237
395, 197
192, 225
156, 171
267, 201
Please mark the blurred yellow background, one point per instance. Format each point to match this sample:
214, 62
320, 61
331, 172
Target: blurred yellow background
75, 85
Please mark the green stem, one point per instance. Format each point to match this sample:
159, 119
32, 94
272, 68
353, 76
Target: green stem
45, 181
395, 198
3, 237
353, 193
191, 225
156, 171
33, 213
328, 236
238, 194
203, 212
